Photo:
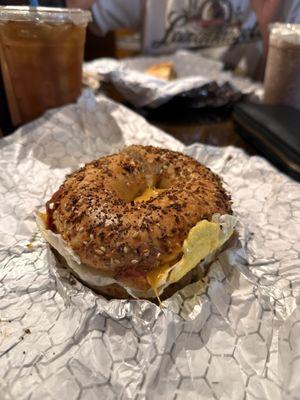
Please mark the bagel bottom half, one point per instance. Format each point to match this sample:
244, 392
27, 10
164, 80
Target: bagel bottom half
204, 241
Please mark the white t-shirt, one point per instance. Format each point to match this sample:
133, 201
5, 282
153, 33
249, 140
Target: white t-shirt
226, 29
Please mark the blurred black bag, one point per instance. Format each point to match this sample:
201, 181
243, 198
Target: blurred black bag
274, 130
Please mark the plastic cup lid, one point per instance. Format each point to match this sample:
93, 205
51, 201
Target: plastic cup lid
284, 34
45, 14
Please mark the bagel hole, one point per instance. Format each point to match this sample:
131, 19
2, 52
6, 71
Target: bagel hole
163, 183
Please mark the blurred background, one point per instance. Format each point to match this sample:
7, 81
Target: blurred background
233, 34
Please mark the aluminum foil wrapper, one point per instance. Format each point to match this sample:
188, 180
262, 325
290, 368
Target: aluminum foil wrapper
198, 78
233, 335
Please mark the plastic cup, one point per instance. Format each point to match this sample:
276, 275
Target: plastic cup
41, 52
282, 78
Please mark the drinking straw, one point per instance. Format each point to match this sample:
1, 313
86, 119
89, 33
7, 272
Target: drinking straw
34, 3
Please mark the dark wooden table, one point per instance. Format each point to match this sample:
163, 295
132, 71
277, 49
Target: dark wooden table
208, 126
221, 133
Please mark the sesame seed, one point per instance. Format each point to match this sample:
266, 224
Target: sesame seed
134, 261
98, 251
102, 248
126, 249
135, 235
92, 236
158, 255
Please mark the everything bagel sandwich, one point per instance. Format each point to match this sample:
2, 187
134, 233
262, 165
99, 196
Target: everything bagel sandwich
134, 223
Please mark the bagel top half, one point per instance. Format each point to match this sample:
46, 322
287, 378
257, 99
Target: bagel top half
141, 218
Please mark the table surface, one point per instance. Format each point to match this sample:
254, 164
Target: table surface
214, 127
221, 133
211, 128
216, 133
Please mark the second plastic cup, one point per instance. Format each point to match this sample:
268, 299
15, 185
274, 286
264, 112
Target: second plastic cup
282, 79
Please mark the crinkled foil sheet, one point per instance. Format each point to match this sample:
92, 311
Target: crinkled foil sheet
195, 74
233, 335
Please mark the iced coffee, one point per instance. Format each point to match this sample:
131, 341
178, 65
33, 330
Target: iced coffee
41, 52
282, 78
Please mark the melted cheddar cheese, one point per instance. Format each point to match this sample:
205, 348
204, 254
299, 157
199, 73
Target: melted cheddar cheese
203, 239
157, 275
148, 194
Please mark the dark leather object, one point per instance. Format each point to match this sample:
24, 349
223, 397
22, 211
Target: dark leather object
274, 130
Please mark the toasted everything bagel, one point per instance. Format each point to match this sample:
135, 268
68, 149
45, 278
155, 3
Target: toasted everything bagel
129, 213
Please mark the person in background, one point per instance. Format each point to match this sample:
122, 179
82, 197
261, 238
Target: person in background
234, 31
